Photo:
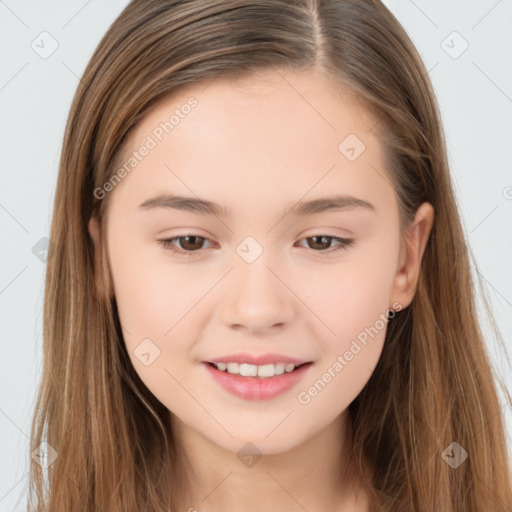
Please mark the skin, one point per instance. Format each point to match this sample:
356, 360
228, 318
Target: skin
258, 146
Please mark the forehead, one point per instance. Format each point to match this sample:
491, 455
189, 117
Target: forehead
278, 132
295, 105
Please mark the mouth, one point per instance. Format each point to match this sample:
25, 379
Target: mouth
261, 386
266, 371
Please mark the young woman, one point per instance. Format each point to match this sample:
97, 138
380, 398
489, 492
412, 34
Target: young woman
260, 296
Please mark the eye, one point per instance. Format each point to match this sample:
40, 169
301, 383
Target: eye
191, 244
321, 241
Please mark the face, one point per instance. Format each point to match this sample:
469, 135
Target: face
271, 269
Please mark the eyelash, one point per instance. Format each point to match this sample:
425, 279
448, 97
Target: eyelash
343, 244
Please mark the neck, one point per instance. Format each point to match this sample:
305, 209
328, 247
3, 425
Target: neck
318, 474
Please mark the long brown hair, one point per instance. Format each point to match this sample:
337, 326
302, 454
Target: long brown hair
433, 385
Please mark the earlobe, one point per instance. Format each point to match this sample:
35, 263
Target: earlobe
416, 238
95, 233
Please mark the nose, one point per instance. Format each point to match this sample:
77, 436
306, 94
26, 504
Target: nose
257, 298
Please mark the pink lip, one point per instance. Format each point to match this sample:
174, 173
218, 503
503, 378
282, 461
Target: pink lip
258, 360
255, 388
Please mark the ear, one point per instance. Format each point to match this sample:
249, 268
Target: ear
95, 233
415, 241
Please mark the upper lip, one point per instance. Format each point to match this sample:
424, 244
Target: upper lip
258, 360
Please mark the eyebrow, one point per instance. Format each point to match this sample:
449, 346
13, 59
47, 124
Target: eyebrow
302, 208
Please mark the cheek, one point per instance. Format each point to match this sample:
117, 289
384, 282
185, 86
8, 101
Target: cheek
159, 305
351, 294
155, 302
352, 299
349, 357
152, 294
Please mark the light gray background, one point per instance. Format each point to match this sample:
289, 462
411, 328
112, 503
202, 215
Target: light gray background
474, 89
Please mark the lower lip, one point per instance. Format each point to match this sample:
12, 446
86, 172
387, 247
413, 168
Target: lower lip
254, 388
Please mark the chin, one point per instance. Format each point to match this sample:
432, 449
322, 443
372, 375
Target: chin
258, 443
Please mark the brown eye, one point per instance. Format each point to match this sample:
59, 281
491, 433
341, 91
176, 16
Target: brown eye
186, 245
192, 242
322, 243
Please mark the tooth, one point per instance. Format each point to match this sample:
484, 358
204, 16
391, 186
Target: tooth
266, 370
232, 368
251, 370
279, 368
248, 370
